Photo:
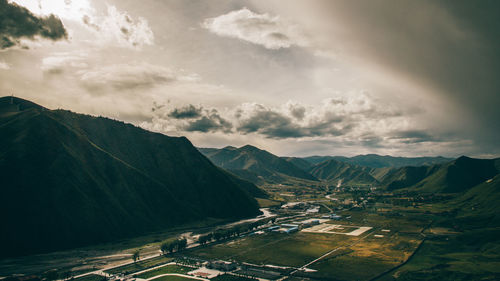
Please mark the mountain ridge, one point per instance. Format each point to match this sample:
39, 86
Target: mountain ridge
72, 180
255, 164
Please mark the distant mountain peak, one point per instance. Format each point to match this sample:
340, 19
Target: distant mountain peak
463, 158
229, 147
249, 147
253, 164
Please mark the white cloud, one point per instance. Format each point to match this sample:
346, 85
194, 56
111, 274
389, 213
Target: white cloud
126, 77
57, 63
64, 9
272, 32
122, 28
118, 27
113, 27
4, 65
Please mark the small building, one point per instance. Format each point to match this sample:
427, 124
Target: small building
222, 265
273, 228
313, 210
292, 229
335, 217
289, 225
309, 222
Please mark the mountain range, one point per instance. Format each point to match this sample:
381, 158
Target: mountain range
260, 166
254, 164
423, 174
381, 161
71, 180
456, 176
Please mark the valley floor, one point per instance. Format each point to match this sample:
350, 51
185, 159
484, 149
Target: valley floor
373, 235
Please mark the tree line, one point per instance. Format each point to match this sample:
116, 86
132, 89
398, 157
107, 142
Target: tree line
173, 245
235, 231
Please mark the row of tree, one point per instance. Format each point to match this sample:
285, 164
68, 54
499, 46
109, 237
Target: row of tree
222, 234
173, 245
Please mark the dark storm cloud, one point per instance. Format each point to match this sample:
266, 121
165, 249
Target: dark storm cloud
17, 22
297, 111
451, 47
210, 122
276, 125
186, 112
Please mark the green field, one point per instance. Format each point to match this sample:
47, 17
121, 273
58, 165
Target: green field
90, 277
275, 248
266, 203
229, 277
164, 270
367, 258
471, 255
140, 265
174, 278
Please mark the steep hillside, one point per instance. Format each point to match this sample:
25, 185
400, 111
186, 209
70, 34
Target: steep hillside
379, 173
299, 162
482, 200
407, 176
255, 164
453, 177
333, 170
70, 180
459, 175
318, 159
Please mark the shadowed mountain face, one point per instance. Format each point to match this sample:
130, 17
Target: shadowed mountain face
482, 200
333, 170
453, 177
70, 180
255, 164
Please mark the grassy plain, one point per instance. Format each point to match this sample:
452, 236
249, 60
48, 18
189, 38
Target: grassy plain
140, 265
174, 278
90, 277
163, 270
275, 248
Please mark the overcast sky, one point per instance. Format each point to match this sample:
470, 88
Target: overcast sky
405, 78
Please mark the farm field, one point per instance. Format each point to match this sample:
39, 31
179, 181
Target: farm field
174, 278
163, 270
140, 265
275, 248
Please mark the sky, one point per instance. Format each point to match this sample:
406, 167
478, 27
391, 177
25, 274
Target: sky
309, 77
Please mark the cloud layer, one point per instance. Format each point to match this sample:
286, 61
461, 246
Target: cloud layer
262, 29
17, 22
360, 118
126, 77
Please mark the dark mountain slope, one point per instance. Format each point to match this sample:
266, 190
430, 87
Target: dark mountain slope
332, 170
481, 201
379, 173
459, 175
253, 164
453, 177
299, 162
70, 180
407, 176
